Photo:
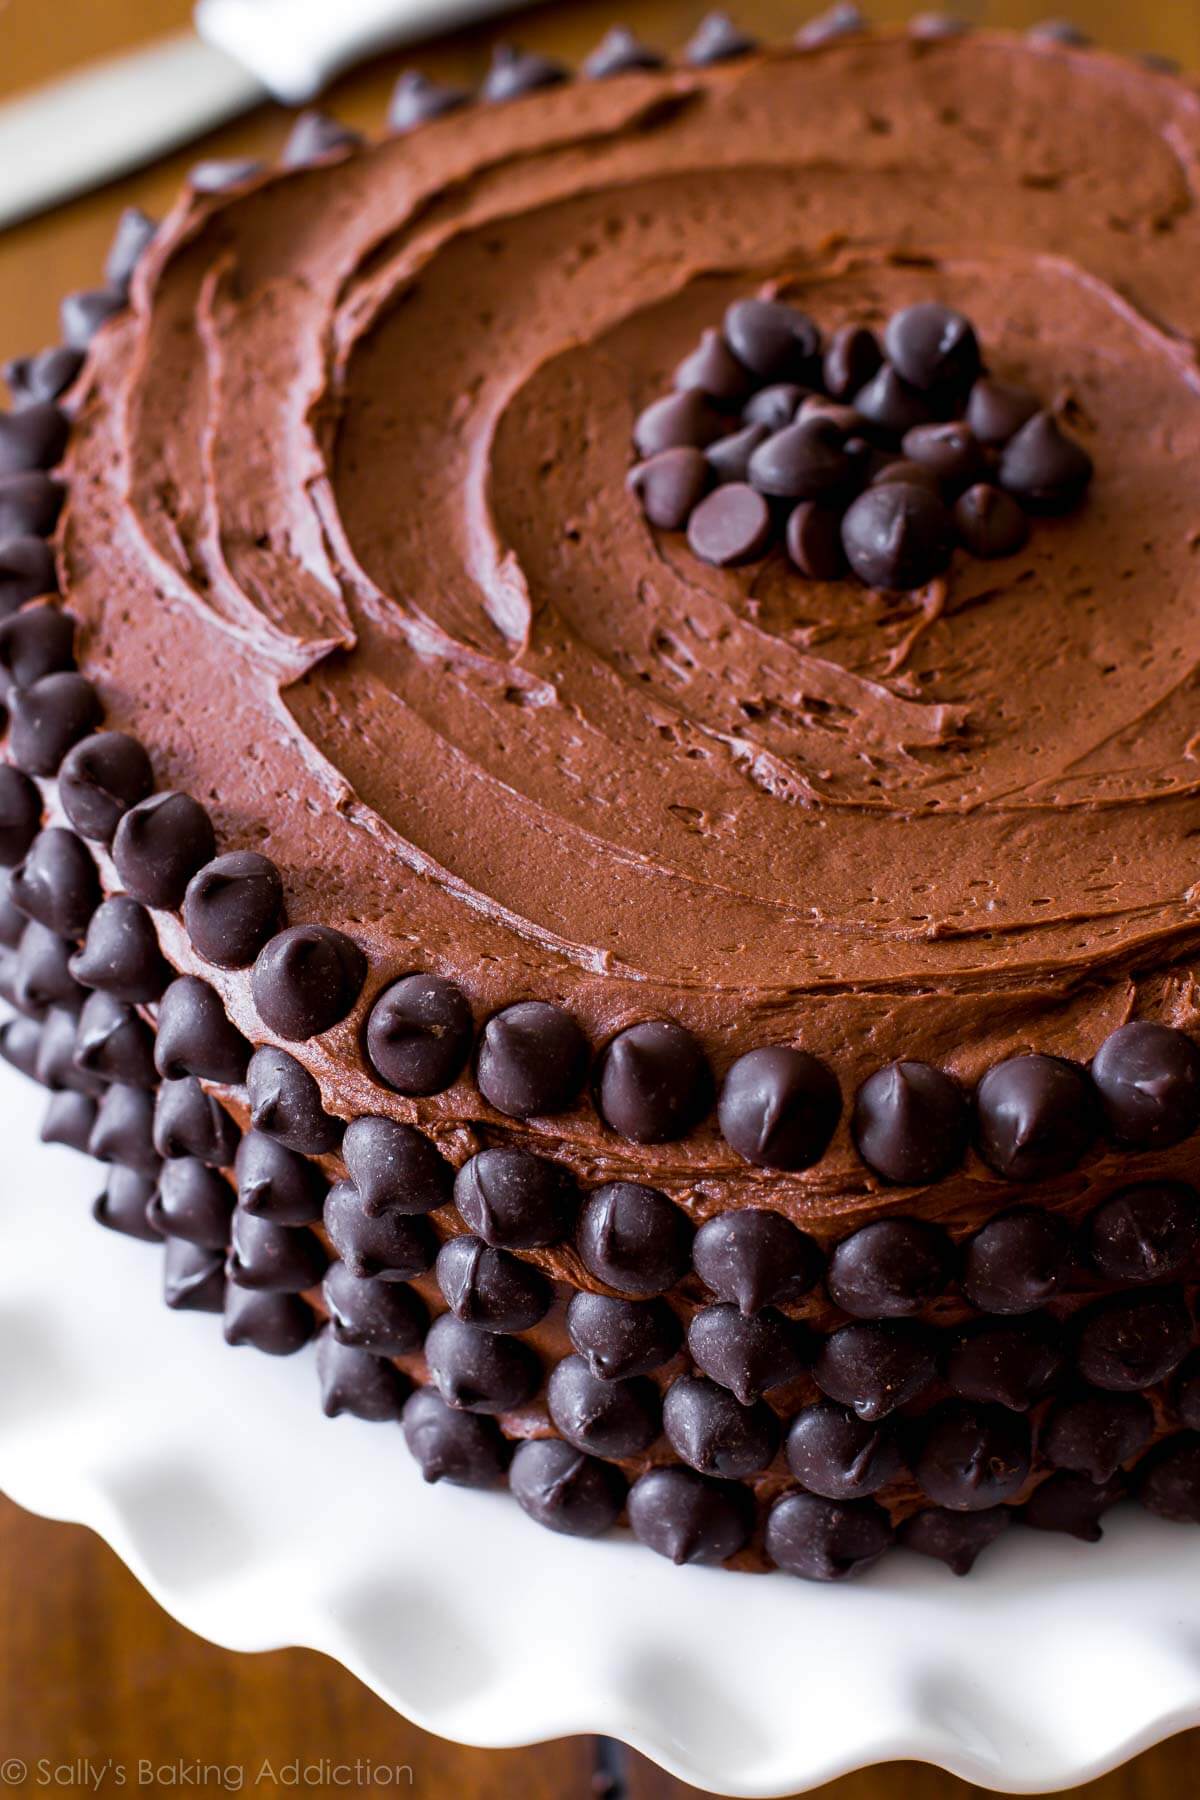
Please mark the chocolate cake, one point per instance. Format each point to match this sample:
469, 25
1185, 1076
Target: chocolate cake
601, 785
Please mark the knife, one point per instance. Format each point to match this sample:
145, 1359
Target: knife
75, 134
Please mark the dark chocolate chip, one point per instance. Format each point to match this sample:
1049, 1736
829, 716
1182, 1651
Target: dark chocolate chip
532, 1059
1010, 1362
232, 906
120, 953
114, 1043
1145, 1233
46, 376
971, 1456
668, 486
689, 1518
26, 572
813, 540
41, 974
353, 1381
1035, 1116
100, 778
12, 921
29, 504
715, 1433
284, 1259
82, 314
852, 356
1095, 1433
619, 1338
890, 405
123, 1131
604, 1418
834, 1453
131, 240
748, 1353
513, 1200
896, 536
463, 1448
216, 175
717, 39
565, 1490
890, 1268
195, 1037
1015, 1262
912, 474
686, 419
158, 846
515, 72
1046, 470
277, 1324
56, 1066
193, 1278
951, 451
192, 1201
1059, 31
488, 1287
618, 52
654, 1082
49, 716
394, 1246
775, 406
932, 347
57, 883
20, 1041
190, 1122
1169, 1480
633, 1238
20, 816
1130, 1342
306, 979
775, 341
388, 1318
826, 1540
69, 1119
954, 1538
274, 1182
910, 1123
419, 1033
989, 522
1187, 1391
285, 1102
713, 369
1148, 1078
932, 26
480, 1371
1071, 1503
755, 1258
728, 458
731, 526
996, 410
32, 438
122, 1205
779, 1107
875, 1368
314, 136
840, 21
804, 461
395, 1167
415, 100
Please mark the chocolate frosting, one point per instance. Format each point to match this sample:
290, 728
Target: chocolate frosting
351, 549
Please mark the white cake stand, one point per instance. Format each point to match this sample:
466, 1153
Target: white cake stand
258, 1523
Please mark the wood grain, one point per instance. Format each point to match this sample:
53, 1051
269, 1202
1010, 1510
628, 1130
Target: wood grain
92, 1669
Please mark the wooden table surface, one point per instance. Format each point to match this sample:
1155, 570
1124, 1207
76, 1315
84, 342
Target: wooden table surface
97, 1684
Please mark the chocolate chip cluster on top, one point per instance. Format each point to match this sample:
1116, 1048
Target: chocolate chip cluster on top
859, 457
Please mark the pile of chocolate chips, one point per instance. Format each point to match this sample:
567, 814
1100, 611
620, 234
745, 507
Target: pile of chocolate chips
862, 457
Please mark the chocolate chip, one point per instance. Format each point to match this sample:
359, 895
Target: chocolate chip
951, 451
843, 420
669, 485
394, 1246
113, 1043
416, 99
910, 1123
464, 1449
755, 1258
20, 815
82, 314
714, 1433
190, 1122
46, 376
834, 1453
192, 1201
20, 1040
775, 341
120, 953
1009, 1362
1046, 470
618, 52
307, 978
852, 356
972, 1456
1169, 1480
488, 1287
123, 1131
49, 716
69, 1119
1059, 31
826, 1540
989, 522
158, 846
26, 572
395, 1167
565, 1490
283, 1259
932, 26
388, 1318
1035, 1116
728, 458
1145, 1233
680, 419
276, 1183
912, 474
42, 972
747, 1353
1071, 1503
996, 410
134, 234
633, 1238
37, 641
689, 1518
932, 347
57, 884
804, 461
1128, 1343
716, 39
99, 779
353, 1381
604, 1418
195, 1037
775, 406
896, 536
515, 72
532, 1059
620, 1338
479, 1371
315, 136
714, 370
285, 1102
1187, 1391
954, 1538
33, 438
841, 21
193, 1278
515, 1201
232, 906
1014, 1263
731, 526
654, 1082
890, 405
216, 175
419, 1033
122, 1205
1148, 1078
875, 1368
813, 540
1095, 1433
12, 921
779, 1107
29, 504
277, 1324
889, 1269
55, 1066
